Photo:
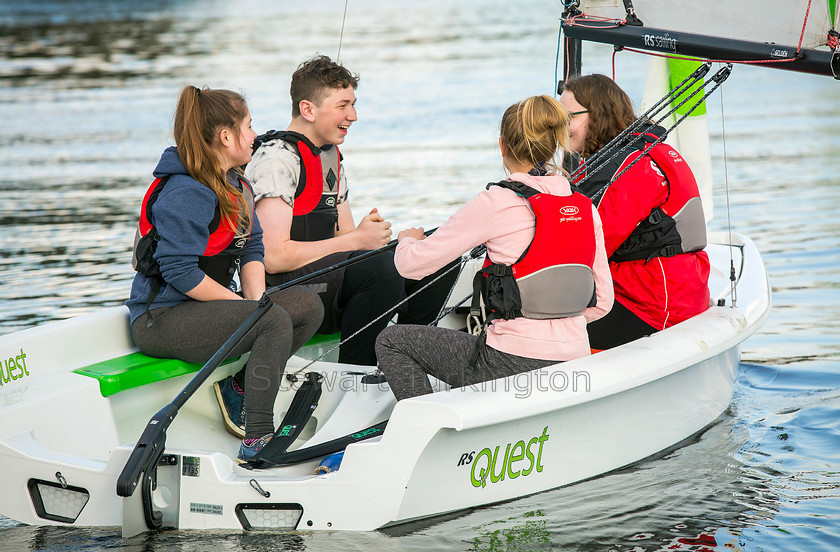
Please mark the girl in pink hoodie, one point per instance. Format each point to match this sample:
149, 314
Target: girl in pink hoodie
534, 134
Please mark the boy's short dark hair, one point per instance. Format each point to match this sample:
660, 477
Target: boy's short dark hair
314, 78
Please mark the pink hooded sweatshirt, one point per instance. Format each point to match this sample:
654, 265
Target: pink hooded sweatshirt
505, 223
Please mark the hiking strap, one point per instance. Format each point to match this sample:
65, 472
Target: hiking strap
300, 411
315, 451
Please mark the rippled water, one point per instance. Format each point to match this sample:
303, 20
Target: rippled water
87, 90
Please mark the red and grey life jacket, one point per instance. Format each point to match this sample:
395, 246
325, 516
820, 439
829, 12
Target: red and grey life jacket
554, 277
219, 260
315, 211
676, 226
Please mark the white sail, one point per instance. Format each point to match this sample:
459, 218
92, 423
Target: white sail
765, 21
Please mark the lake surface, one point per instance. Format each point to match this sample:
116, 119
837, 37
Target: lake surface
87, 91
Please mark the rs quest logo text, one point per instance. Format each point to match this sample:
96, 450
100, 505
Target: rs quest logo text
518, 459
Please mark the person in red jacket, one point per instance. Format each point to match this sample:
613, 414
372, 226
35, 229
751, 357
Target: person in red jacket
654, 228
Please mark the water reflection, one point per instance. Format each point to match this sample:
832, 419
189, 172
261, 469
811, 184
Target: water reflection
654, 505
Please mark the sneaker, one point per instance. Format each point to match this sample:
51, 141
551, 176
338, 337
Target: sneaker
250, 447
232, 404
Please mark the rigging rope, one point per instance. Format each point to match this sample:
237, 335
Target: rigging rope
615, 52
733, 288
597, 160
557, 59
804, 24
832, 41
464, 259
341, 36
718, 79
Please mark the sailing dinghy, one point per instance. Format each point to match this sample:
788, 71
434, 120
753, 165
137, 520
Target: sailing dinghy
96, 434
78, 396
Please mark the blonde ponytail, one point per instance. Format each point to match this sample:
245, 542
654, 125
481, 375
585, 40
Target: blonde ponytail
535, 130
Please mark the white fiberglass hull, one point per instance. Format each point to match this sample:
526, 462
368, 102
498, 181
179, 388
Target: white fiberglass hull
440, 453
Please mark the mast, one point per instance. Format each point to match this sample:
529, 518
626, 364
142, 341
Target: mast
572, 47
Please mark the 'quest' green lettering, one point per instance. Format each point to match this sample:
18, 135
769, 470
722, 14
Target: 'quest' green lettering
489, 464
501, 476
530, 455
515, 457
13, 368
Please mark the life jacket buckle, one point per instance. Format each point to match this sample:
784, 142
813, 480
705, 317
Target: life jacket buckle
669, 251
497, 269
655, 216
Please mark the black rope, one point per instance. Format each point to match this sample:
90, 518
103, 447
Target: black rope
682, 87
474, 253
718, 79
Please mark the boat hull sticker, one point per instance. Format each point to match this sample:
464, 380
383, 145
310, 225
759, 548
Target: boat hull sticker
490, 467
13, 368
212, 509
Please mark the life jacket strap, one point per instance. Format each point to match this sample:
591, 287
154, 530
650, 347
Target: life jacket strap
479, 345
152, 294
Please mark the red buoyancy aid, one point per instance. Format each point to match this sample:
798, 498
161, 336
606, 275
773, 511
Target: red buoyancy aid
676, 226
554, 277
315, 210
223, 246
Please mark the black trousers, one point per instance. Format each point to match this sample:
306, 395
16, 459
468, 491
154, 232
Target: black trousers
361, 292
618, 327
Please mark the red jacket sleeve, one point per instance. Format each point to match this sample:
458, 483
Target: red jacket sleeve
630, 199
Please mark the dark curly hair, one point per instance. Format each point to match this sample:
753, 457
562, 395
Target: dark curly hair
314, 79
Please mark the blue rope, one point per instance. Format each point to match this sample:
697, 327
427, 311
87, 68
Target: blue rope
557, 58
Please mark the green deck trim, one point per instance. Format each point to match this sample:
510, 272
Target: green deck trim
136, 369
319, 339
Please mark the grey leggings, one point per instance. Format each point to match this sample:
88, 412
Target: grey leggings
195, 330
407, 353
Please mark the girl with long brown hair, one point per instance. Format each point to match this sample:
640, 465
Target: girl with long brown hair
654, 227
197, 229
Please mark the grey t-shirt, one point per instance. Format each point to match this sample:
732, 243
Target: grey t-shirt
274, 171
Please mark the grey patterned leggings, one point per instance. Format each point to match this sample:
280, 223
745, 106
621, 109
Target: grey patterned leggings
195, 330
407, 353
